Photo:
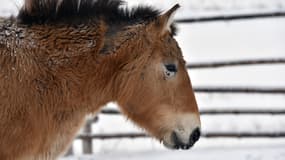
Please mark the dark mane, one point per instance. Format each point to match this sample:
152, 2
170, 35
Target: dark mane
76, 11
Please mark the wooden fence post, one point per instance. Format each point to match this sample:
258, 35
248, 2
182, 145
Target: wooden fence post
87, 143
70, 151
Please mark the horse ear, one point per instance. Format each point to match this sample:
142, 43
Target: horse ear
165, 20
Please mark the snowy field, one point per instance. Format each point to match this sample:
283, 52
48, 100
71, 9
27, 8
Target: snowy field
235, 40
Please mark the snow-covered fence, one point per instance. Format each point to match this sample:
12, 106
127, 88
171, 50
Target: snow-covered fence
87, 135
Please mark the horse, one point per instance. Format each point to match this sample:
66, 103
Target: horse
62, 60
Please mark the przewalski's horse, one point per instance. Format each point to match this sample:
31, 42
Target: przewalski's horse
61, 60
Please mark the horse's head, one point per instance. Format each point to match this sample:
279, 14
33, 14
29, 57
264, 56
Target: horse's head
158, 95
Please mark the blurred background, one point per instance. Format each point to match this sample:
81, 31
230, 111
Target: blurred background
237, 68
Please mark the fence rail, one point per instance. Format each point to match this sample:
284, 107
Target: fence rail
244, 90
206, 135
217, 111
236, 63
232, 17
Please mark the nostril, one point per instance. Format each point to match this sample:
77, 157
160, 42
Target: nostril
195, 136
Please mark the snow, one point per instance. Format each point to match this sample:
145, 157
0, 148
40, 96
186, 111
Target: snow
244, 153
232, 40
262, 38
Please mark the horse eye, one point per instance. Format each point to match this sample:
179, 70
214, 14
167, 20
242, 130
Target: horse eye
170, 70
171, 67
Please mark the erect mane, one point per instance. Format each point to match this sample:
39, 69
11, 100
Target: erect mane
72, 11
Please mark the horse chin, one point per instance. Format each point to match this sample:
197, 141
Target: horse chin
168, 141
171, 145
168, 145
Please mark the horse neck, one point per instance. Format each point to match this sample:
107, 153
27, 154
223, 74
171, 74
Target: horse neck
74, 56
69, 57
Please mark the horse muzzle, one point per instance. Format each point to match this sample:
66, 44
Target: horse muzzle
184, 134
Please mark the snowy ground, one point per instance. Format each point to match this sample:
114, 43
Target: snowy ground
233, 40
237, 153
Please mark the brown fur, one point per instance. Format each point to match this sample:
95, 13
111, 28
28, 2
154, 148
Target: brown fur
52, 76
